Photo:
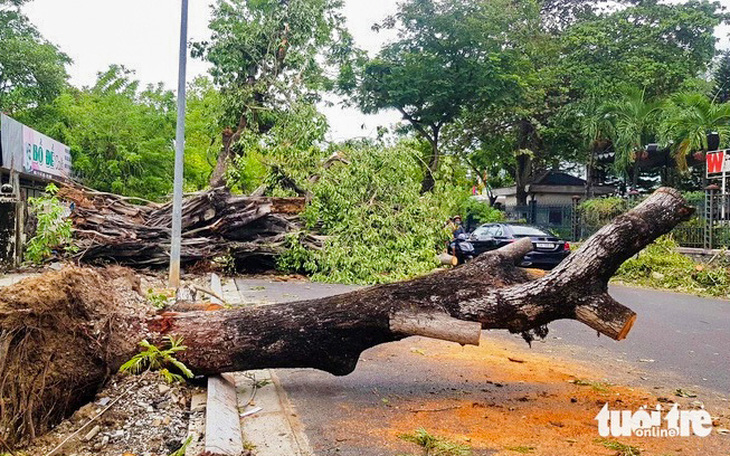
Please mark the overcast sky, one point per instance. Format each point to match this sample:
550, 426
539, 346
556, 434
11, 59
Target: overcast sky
143, 36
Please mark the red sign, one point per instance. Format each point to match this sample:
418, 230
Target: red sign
716, 162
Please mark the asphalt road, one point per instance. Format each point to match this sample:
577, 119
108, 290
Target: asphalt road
678, 341
677, 338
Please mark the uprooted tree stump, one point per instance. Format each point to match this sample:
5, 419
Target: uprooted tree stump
63, 333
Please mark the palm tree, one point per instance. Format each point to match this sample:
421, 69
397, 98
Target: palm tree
689, 117
632, 122
593, 126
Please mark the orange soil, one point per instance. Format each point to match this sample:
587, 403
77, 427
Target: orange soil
520, 404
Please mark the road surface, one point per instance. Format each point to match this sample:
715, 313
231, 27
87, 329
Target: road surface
678, 341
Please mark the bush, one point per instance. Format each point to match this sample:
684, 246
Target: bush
479, 212
600, 211
661, 266
53, 229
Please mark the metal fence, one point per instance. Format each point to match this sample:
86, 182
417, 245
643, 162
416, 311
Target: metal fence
709, 228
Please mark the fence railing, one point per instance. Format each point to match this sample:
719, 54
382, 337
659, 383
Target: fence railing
709, 228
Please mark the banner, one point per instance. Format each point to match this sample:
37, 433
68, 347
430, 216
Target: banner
31, 152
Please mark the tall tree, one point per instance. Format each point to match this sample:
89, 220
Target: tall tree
32, 70
267, 55
633, 122
722, 78
120, 136
449, 55
659, 46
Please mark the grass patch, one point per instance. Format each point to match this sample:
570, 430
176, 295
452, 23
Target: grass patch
436, 446
621, 449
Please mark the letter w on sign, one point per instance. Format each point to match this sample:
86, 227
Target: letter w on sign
715, 161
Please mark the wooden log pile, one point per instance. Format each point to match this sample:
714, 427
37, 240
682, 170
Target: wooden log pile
215, 223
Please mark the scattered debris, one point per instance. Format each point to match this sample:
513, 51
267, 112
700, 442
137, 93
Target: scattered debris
679, 392
150, 419
250, 230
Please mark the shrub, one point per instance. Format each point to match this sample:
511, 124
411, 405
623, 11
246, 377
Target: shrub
661, 266
53, 229
600, 211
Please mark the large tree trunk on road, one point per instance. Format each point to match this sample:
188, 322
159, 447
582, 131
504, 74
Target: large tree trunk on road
330, 333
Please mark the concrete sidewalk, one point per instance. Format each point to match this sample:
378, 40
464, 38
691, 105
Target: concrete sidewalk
269, 423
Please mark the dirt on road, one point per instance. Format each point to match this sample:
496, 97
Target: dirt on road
497, 398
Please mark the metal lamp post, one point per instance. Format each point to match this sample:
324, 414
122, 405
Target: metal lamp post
179, 154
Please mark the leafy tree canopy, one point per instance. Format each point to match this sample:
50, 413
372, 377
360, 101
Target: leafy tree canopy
652, 45
121, 136
449, 55
32, 70
268, 55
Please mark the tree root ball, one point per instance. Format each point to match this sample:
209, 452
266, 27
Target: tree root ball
56, 349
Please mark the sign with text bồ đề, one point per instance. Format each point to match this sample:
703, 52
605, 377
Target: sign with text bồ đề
45, 156
28, 151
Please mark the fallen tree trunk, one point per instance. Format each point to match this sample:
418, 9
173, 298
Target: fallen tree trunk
250, 230
41, 385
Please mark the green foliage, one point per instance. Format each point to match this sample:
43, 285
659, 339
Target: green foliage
622, 449
271, 60
652, 45
687, 119
600, 211
632, 123
479, 211
156, 359
661, 266
181, 451
288, 152
721, 79
378, 226
156, 300
202, 132
450, 56
53, 229
434, 445
121, 137
32, 70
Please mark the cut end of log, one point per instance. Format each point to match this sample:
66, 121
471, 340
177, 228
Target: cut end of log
436, 326
607, 316
627, 328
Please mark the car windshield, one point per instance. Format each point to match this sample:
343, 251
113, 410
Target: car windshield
482, 230
521, 230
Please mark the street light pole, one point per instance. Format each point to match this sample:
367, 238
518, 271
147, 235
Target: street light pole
179, 153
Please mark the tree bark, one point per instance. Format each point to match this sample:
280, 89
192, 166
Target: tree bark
229, 139
327, 334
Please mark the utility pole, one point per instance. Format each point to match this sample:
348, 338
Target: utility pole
179, 153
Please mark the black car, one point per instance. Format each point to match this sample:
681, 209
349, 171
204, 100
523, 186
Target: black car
548, 251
